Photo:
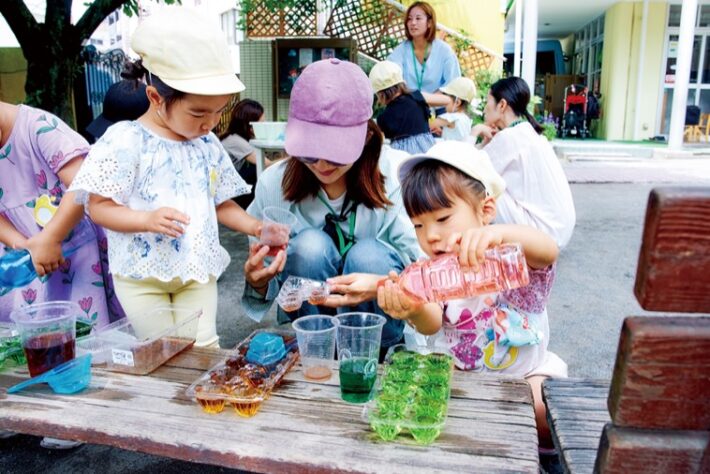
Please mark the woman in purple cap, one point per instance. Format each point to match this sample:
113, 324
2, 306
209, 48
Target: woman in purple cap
343, 190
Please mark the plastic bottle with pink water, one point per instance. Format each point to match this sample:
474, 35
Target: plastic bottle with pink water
443, 278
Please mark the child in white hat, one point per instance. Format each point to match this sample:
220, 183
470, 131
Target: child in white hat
450, 195
405, 120
160, 184
456, 124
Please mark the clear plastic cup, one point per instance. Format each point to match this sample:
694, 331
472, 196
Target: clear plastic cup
276, 228
316, 345
359, 336
48, 333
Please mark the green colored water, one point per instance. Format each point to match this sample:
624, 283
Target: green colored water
357, 377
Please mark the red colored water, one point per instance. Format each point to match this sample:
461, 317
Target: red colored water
48, 351
275, 236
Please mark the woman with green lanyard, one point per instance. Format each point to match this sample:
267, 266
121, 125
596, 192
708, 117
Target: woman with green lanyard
537, 192
427, 63
342, 186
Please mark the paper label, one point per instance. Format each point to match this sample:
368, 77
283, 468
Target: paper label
120, 357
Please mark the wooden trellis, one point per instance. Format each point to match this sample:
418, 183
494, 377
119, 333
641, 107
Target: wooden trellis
377, 25
264, 23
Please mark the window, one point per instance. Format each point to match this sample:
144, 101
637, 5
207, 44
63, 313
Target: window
589, 42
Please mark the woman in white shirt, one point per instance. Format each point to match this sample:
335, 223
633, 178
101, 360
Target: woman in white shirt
537, 192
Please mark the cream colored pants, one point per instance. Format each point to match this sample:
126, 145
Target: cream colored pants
138, 296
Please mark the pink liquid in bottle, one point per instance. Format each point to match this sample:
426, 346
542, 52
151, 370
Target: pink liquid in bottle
442, 278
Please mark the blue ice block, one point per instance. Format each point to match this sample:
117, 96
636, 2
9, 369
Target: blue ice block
266, 349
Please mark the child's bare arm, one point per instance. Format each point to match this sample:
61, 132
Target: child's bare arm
10, 236
231, 214
441, 123
165, 220
436, 99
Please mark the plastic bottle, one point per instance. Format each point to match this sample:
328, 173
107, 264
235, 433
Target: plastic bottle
443, 278
16, 268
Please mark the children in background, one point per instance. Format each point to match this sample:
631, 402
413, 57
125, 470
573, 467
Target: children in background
124, 100
161, 183
405, 120
455, 124
236, 141
39, 156
450, 195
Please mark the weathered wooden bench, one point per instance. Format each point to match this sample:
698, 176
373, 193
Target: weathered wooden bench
654, 415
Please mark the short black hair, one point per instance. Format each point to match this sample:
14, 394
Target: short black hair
431, 185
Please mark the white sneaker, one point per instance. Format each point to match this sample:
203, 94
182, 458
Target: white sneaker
4, 434
54, 443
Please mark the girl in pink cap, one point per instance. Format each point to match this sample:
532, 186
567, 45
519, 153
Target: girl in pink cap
344, 191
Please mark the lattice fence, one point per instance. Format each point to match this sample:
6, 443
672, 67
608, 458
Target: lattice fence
300, 20
377, 25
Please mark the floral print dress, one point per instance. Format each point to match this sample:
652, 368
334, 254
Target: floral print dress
39, 145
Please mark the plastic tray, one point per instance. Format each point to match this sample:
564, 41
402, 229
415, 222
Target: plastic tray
295, 290
243, 385
11, 352
123, 349
412, 396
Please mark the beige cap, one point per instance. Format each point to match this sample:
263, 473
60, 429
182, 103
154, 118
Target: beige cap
384, 75
187, 52
463, 156
461, 87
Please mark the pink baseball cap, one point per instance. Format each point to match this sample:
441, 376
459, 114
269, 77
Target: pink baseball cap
331, 103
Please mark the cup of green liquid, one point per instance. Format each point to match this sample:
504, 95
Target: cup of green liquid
358, 336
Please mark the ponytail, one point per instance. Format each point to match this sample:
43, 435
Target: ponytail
516, 93
535, 124
135, 70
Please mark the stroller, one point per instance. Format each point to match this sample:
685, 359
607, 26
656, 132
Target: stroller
574, 119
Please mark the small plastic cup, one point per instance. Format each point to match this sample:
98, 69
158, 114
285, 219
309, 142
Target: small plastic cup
48, 333
359, 336
316, 344
276, 228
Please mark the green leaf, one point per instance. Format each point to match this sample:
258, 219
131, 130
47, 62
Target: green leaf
100, 284
30, 204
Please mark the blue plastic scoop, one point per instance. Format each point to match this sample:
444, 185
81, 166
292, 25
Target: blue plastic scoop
69, 377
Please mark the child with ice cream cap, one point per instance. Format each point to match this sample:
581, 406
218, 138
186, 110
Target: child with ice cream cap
160, 184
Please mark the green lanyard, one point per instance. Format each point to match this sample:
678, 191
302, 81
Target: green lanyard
342, 248
513, 124
417, 73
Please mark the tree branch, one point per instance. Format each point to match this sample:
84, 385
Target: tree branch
20, 20
95, 14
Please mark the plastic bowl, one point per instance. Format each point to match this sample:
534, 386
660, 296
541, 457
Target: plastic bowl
269, 131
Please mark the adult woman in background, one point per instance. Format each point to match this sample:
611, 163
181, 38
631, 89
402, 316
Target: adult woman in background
427, 63
236, 141
537, 192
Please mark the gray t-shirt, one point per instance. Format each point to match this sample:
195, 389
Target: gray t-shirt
238, 148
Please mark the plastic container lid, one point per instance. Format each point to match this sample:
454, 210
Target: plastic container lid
266, 349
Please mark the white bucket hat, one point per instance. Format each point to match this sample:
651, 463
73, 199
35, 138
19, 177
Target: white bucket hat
187, 52
384, 75
463, 156
461, 87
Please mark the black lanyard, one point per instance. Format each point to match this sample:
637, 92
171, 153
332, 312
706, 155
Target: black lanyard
342, 246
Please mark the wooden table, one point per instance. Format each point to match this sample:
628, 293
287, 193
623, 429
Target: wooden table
303, 427
577, 412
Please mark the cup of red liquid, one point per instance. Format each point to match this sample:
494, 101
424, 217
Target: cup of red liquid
48, 333
276, 228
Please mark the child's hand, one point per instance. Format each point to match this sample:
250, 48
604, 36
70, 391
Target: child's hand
256, 274
165, 220
393, 301
472, 244
46, 253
